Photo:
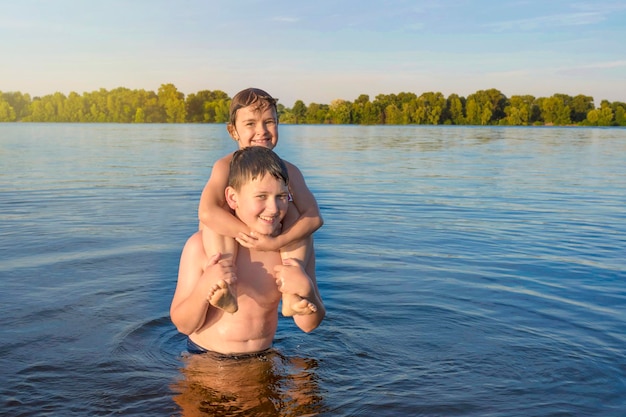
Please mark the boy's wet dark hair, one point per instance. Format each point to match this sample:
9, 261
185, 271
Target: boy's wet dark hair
255, 162
248, 97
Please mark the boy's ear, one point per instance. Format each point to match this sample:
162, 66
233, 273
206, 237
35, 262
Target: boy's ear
232, 132
231, 197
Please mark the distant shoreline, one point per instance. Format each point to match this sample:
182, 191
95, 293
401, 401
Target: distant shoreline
482, 108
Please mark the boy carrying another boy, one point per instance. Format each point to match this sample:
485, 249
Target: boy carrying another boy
258, 193
254, 122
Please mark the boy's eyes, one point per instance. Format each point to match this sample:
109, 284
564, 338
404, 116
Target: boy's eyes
284, 197
267, 122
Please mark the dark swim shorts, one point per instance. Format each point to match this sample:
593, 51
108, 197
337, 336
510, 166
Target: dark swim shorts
195, 349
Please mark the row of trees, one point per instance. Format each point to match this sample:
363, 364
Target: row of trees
120, 105
168, 105
485, 107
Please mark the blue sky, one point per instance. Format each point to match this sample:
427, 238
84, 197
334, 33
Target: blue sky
317, 50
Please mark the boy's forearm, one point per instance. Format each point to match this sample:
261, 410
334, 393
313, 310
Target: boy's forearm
302, 228
223, 223
190, 314
213, 211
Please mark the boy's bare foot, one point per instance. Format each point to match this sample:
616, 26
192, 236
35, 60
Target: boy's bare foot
295, 305
222, 296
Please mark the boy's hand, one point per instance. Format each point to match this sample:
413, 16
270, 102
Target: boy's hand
291, 278
257, 241
219, 276
212, 261
217, 269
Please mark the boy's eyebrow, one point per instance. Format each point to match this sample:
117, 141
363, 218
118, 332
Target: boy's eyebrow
253, 119
266, 191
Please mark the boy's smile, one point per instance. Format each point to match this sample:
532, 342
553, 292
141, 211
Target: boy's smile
256, 127
261, 204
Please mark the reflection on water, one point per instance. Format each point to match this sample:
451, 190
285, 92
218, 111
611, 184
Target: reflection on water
466, 271
268, 384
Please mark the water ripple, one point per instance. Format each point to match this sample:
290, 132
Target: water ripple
466, 271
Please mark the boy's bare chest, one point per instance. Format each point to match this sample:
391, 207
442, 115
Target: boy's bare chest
255, 275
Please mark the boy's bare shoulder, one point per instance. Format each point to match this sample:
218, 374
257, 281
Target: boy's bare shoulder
194, 245
294, 173
223, 161
221, 168
291, 167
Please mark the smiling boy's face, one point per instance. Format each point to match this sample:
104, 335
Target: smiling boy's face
261, 204
255, 125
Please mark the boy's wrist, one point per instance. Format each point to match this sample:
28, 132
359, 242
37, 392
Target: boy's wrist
278, 231
278, 241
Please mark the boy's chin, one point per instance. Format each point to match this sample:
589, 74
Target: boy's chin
269, 232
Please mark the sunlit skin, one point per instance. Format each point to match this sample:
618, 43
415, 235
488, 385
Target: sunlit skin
262, 279
257, 125
262, 204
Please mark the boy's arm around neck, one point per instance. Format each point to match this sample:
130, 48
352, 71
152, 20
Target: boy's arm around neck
213, 212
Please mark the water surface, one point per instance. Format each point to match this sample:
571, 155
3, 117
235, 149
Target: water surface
466, 271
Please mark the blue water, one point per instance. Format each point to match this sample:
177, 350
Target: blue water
466, 271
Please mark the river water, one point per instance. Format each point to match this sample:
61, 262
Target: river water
466, 271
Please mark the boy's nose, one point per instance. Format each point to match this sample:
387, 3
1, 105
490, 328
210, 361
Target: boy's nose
272, 207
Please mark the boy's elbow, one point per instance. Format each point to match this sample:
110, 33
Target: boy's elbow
182, 326
204, 217
319, 222
308, 326
186, 330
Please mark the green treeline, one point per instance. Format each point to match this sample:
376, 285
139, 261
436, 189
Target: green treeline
168, 105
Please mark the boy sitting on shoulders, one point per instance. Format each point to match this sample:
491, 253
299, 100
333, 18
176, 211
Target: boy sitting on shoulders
258, 194
254, 122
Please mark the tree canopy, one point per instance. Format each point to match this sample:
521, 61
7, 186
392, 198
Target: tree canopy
168, 105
